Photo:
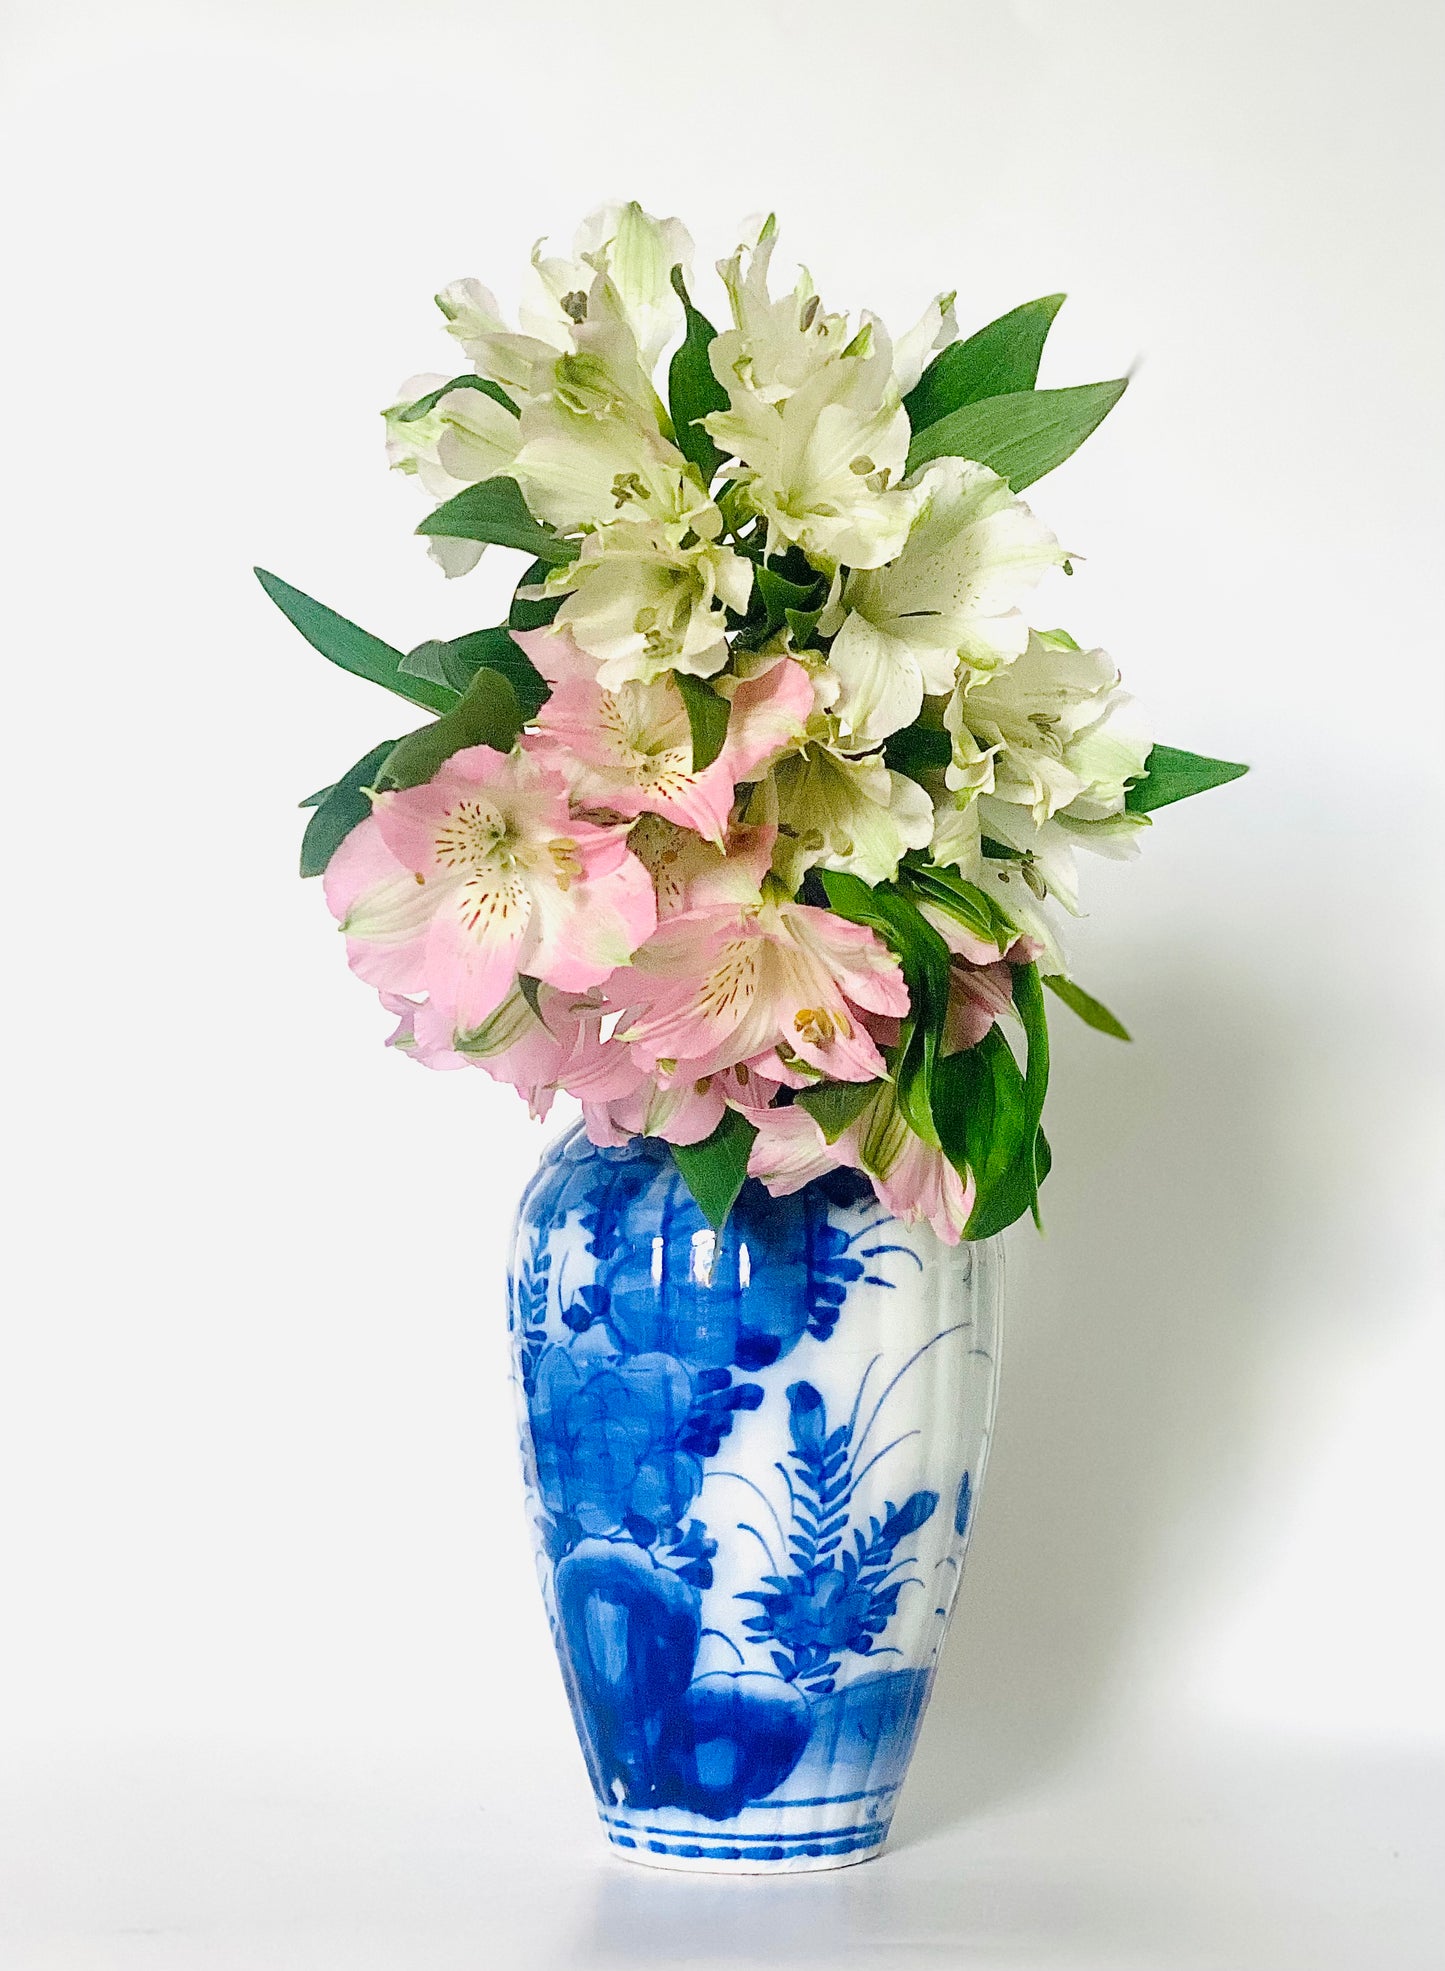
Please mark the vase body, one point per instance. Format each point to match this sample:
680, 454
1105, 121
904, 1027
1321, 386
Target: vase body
751, 1461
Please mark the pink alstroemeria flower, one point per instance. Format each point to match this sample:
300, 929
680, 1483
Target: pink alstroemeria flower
449, 890
688, 872
776, 985
630, 750
678, 1109
532, 1051
978, 996
912, 1180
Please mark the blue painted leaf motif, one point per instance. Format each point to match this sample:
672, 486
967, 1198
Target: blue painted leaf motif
909, 1517
805, 1407
835, 1601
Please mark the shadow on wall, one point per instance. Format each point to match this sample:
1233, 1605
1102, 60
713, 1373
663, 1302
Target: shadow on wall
1141, 1345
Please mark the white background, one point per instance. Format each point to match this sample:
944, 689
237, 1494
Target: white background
275, 1683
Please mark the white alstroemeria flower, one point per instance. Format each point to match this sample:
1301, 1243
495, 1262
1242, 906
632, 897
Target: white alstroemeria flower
642, 604
840, 813
586, 459
1024, 865
1046, 850
523, 365
466, 436
584, 350
635, 255
935, 328
1060, 732
773, 347
951, 597
1013, 883
821, 464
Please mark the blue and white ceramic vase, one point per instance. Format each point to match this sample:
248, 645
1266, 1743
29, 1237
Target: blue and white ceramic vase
751, 1461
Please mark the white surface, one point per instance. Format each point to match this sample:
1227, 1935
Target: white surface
207, 1858
252, 1398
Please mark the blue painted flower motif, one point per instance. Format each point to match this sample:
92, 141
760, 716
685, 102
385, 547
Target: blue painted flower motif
606, 1430
666, 1283
732, 1737
632, 1632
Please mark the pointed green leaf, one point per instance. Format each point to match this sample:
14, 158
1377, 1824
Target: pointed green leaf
974, 908
835, 1104
1090, 1010
1021, 436
1029, 1004
344, 806
425, 661
979, 1105
457, 662
353, 649
714, 1170
924, 956
692, 389
707, 718
488, 715
988, 1115
493, 510
918, 749
1172, 775
525, 614
423, 405
803, 624
315, 800
996, 362
778, 596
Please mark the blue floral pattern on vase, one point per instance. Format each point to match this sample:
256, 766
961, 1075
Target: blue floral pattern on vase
735, 1446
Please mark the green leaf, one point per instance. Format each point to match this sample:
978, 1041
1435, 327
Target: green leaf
1171, 775
974, 908
1029, 1003
1090, 1010
834, 1104
996, 362
1021, 436
803, 623
315, 800
468, 382
918, 749
988, 1115
924, 956
457, 662
488, 715
343, 807
714, 1170
353, 649
493, 510
707, 718
979, 1105
692, 389
778, 596
525, 614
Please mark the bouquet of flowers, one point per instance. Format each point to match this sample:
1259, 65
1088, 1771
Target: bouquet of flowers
750, 826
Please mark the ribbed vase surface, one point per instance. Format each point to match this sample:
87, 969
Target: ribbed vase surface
751, 1460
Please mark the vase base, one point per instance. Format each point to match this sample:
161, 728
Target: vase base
719, 1856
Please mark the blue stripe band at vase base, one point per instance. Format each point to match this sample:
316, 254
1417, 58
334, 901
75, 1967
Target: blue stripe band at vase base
746, 1856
